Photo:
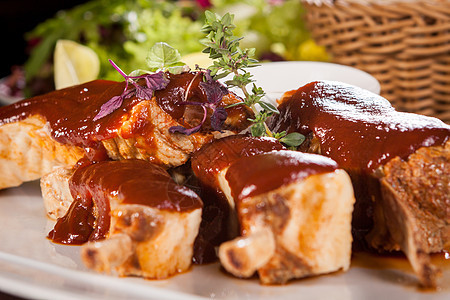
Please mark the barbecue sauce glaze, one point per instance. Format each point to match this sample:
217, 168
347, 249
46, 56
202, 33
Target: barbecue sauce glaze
356, 128
130, 182
69, 114
219, 154
259, 174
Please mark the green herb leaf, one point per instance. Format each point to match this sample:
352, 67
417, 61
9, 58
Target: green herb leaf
268, 107
258, 129
139, 72
162, 57
235, 104
293, 139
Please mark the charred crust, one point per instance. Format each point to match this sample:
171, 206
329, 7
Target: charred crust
278, 212
125, 221
284, 266
413, 204
234, 260
90, 257
273, 207
138, 225
134, 262
310, 145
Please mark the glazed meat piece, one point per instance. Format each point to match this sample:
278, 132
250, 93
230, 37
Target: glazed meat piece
28, 151
363, 133
56, 192
209, 164
58, 128
295, 220
131, 218
416, 198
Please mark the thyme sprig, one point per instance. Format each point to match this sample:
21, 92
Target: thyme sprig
223, 47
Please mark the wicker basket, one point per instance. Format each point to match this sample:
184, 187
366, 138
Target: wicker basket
404, 44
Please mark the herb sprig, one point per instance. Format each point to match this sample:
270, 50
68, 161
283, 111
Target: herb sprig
223, 47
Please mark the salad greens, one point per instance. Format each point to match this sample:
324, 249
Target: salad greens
115, 29
123, 31
272, 26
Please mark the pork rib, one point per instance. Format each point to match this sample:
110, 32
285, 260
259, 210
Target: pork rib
28, 152
210, 164
129, 214
414, 212
297, 227
401, 189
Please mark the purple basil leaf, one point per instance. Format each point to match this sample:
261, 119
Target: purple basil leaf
129, 93
208, 76
109, 106
214, 91
144, 93
154, 82
218, 118
186, 131
157, 81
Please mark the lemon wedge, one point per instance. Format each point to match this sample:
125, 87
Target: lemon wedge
197, 58
74, 64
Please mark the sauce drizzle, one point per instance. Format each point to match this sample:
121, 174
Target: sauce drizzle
358, 129
255, 175
132, 181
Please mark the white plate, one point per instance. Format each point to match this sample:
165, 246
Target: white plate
277, 78
33, 267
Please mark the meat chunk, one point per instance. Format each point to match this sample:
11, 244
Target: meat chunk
414, 213
131, 218
145, 135
145, 242
27, 152
63, 123
295, 221
210, 164
369, 139
56, 192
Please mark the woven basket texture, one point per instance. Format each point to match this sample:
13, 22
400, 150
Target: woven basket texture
405, 45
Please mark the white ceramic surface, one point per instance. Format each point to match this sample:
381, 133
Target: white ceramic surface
33, 267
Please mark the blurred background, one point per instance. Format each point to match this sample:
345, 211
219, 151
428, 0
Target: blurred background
124, 30
405, 45
17, 17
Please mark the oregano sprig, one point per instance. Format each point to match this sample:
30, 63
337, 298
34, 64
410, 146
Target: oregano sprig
223, 47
